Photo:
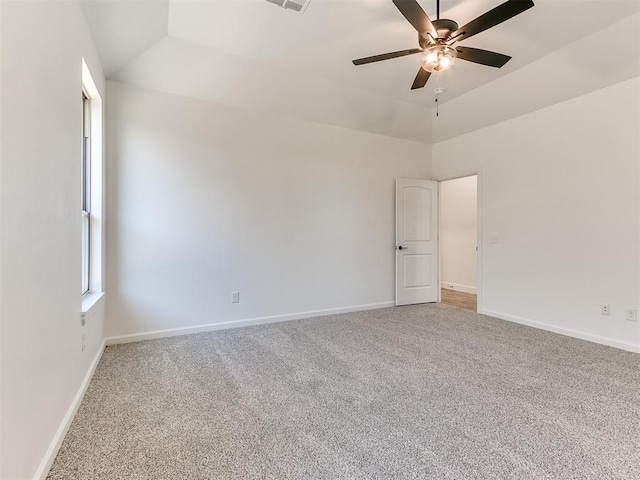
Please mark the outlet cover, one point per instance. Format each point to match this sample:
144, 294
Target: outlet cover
631, 314
235, 297
605, 309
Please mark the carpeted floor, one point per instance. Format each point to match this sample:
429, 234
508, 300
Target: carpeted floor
428, 391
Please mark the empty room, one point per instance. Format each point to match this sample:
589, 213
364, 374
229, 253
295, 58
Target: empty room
319, 239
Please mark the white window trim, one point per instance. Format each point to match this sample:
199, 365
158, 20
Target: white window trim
89, 302
93, 297
86, 193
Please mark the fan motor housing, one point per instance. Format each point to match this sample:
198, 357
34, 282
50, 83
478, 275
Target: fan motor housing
445, 29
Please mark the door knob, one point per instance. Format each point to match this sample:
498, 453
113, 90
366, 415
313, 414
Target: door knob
402, 248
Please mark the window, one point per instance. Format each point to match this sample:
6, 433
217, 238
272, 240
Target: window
86, 193
92, 202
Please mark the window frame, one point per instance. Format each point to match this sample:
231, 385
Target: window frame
91, 196
86, 193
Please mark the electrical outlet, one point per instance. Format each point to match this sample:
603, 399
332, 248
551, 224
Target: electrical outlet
632, 314
605, 309
84, 340
495, 238
235, 297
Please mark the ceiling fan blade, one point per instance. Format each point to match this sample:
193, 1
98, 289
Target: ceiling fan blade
493, 17
386, 56
483, 57
416, 17
421, 79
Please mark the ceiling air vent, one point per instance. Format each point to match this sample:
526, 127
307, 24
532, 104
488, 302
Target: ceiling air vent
297, 5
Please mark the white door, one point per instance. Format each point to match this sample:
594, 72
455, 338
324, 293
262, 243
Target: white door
416, 241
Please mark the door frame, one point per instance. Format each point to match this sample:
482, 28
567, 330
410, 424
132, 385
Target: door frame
477, 171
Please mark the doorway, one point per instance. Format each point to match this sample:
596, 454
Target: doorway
458, 230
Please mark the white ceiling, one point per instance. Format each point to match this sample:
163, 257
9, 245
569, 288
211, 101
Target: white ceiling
124, 29
253, 54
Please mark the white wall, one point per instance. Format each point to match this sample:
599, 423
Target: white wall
205, 199
560, 188
43, 366
459, 233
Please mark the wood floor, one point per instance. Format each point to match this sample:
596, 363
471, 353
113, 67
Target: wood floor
460, 299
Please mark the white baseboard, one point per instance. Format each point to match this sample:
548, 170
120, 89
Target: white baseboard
458, 288
630, 347
52, 451
172, 332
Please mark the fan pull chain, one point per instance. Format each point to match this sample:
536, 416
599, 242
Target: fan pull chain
437, 89
437, 92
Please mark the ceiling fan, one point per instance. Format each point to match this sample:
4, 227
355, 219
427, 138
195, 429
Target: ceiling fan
436, 38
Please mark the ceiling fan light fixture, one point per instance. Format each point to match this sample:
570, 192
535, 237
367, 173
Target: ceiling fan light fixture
431, 58
438, 58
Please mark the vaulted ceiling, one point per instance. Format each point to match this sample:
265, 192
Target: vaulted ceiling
256, 55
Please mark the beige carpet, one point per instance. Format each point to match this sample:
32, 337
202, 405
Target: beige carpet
428, 391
